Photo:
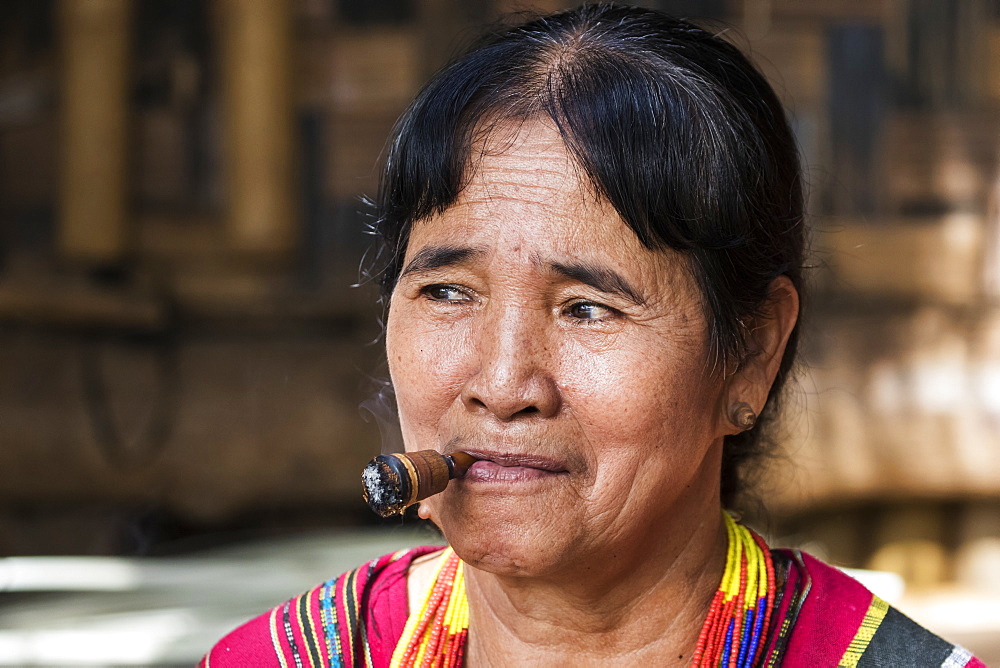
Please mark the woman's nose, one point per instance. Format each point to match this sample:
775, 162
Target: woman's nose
514, 378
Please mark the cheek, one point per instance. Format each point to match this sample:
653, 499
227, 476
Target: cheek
426, 365
641, 391
647, 419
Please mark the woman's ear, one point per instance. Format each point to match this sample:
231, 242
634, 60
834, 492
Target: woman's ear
769, 333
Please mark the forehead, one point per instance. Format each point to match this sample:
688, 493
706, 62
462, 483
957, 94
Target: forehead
525, 189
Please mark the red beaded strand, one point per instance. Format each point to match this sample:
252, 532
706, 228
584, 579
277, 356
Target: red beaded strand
430, 638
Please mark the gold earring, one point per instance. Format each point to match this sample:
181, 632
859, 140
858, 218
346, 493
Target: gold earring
742, 415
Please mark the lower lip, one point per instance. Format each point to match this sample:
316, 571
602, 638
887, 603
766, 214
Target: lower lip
487, 471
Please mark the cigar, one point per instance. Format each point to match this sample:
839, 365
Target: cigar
392, 483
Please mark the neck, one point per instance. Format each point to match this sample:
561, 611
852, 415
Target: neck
648, 605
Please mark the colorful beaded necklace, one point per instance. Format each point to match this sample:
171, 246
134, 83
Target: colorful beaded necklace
738, 619
732, 636
436, 634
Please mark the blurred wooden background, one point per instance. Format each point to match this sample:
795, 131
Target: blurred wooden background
181, 214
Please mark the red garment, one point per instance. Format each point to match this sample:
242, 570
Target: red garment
823, 618
302, 631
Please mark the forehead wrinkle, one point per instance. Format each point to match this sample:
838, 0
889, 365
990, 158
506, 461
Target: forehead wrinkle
526, 184
541, 165
520, 212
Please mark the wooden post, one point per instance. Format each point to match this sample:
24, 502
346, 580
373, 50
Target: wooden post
260, 151
94, 35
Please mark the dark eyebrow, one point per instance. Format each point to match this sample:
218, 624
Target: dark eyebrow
435, 257
600, 278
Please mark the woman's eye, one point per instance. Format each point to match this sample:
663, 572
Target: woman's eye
589, 311
444, 293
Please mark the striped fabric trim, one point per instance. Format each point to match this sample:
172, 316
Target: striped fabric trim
869, 625
328, 616
958, 658
308, 626
286, 621
351, 608
797, 600
364, 626
273, 622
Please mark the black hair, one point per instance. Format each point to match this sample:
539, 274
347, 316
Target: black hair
668, 122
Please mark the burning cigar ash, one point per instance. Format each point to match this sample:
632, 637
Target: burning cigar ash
394, 482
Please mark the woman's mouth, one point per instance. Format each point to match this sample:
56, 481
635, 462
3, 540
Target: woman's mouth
510, 468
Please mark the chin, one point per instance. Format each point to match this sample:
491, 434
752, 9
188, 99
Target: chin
503, 553
506, 538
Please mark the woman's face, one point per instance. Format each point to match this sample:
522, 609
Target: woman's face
531, 328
